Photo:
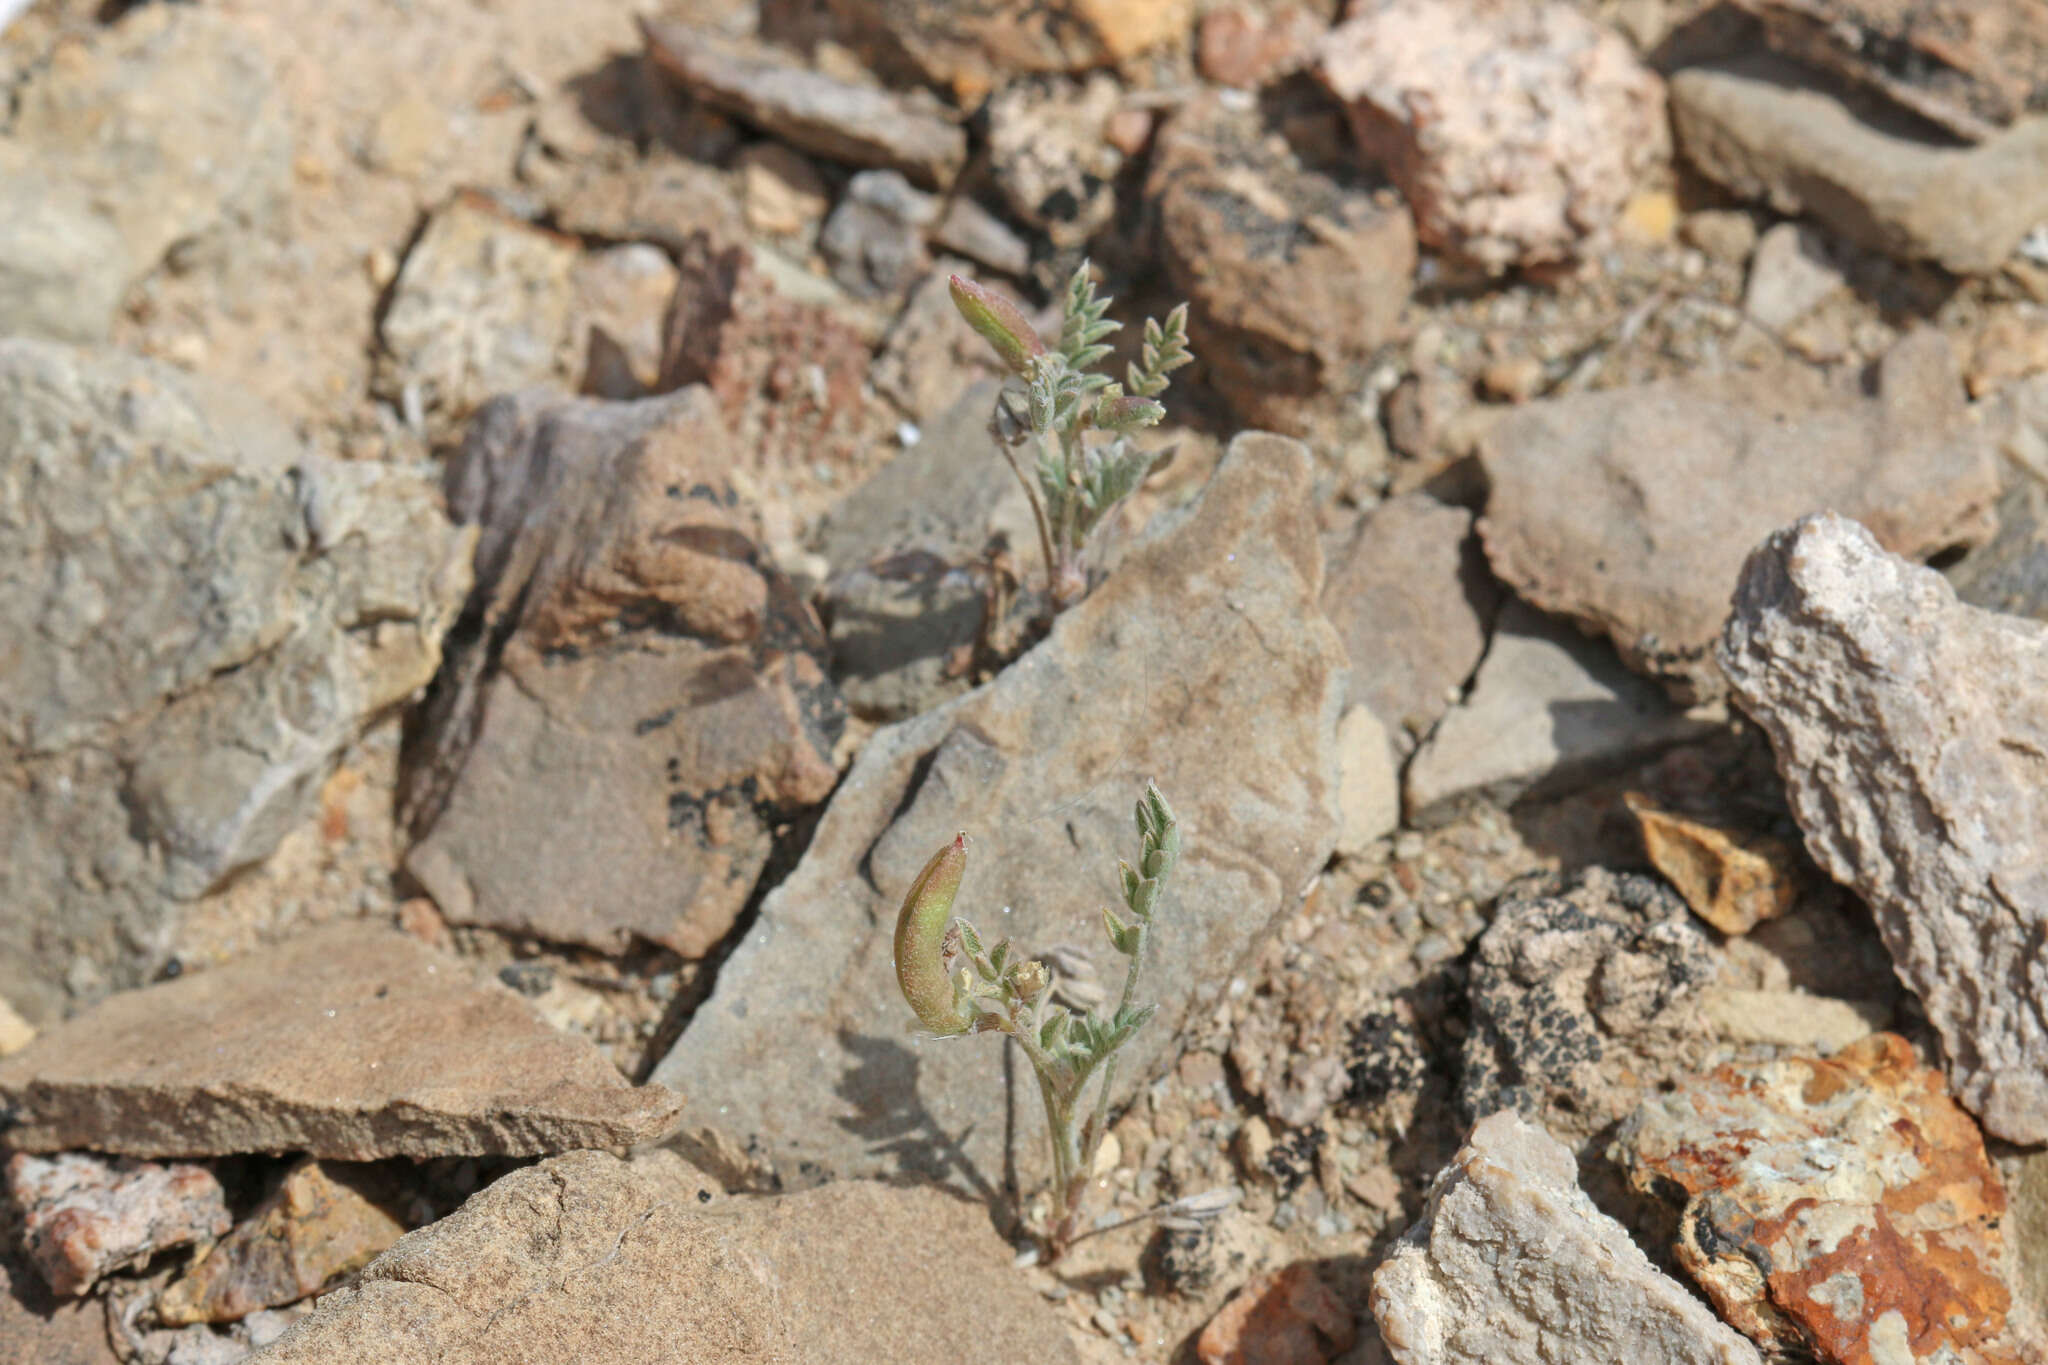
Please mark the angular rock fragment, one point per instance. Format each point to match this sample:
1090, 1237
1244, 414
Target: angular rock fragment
1843, 1207
970, 49
611, 1263
1910, 730
1284, 1317
633, 692
83, 1216
323, 1220
1516, 130
1761, 128
351, 1042
1048, 155
1791, 1018
1580, 1000
1147, 677
836, 119
1293, 279
1549, 710
875, 238
1630, 510
188, 655
1511, 1264
36, 1326
167, 127
1733, 879
621, 298
1241, 46
480, 307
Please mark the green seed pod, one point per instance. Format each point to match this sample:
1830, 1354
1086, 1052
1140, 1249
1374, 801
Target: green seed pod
1002, 324
920, 936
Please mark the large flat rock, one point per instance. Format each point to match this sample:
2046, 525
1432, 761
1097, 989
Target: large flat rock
1911, 731
351, 1042
1204, 663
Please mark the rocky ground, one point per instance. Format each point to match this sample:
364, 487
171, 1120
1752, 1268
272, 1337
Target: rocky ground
508, 577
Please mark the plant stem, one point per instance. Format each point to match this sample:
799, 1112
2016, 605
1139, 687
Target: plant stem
1037, 515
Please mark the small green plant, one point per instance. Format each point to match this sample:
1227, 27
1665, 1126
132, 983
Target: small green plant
957, 986
1078, 480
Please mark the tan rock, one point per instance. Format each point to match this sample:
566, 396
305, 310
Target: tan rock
782, 193
1369, 785
1791, 1018
377, 1046
588, 1258
1284, 1317
16, 1032
1732, 879
973, 48
621, 297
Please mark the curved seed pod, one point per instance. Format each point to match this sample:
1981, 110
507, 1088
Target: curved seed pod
920, 932
1002, 324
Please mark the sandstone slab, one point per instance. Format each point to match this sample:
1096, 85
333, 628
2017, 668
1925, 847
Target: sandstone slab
1630, 510
200, 619
1511, 1264
84, 1216
1201, 663
1908, 728
633, 690
351, 1042
1761, 128
588, 1258
1516, 130
1843, 1207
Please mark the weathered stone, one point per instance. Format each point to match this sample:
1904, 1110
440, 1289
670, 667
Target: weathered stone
481, 307
620, 298
1759, 127
836, 119
897, 626
610, 1263
1630, 510
1511, 1264
1549, 710
805, 1041
379, 1047
322, 1221
1968, 67
930, 354
1908, 729
35, 1325
1734, 879
164, 130
188, 655
1789, 276
1237, 45
1412, 598
1284, 1317
631, 674
973, 48
874, 240
782, 193
1368, 783
977, 234
1843, 1207
83, 1216
661, 199
1049, 158
1580, 1000
1790, 1018
1516, 130
1293, 279
2009, 572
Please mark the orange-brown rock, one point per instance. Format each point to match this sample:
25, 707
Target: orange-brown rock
1733, 879
1841, 1206
1284, 1317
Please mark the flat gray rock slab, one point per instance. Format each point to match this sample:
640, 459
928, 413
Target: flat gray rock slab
1511, 1263
1203, 663
1912, 734
351, 1042
588, 1258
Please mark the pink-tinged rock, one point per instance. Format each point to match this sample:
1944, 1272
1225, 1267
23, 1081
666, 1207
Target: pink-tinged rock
1841, 1206
83, 1215
1516, 129
1237, 45
1285, 1317
352, 1041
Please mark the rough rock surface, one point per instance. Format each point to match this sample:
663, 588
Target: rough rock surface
633, 690
36, 1326
1049, 158
1631, 509
838, 120
379, 1047
973, 48
1843, 1207
1578, 998
323, 1220
1910, 730
1283, 1317
874, 240
1411, 595
1511, 1264
1733, 878
1548, 710
1293, 279
83, 1216
1517, 130
164, 130
806, 1044
610, 1263
480, 307
930, 355
199, 620
1759, 127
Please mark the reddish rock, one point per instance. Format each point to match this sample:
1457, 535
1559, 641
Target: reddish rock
1842, 1206
1285, 1317
1239, 46
1517, 130
34, 1325
83, 1216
